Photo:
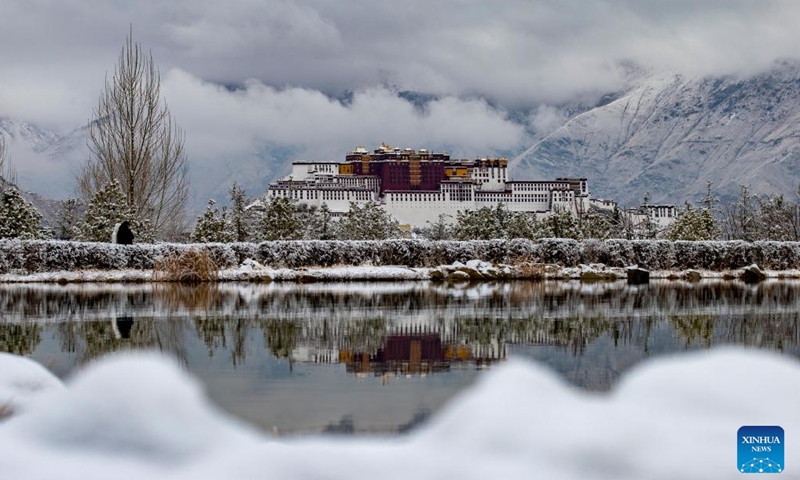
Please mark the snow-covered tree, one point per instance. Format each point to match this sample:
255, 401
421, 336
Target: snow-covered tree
594, 225
741, 220
438, 230
563, 224
213, 226
135, 142
68, 220
108, 208
476, 225
367, 222
318, 222
777, 219
239, 220
524, 225
280, 221
484, 223
18, 218
693, 224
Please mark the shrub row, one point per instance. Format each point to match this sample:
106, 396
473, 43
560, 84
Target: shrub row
43, 256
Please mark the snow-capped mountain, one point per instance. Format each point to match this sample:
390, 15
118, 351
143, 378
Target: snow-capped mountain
669, 135
40, 160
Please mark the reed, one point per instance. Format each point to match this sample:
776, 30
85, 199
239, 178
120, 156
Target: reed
190, 266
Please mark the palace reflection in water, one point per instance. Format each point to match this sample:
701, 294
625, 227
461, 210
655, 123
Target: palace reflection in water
377, 356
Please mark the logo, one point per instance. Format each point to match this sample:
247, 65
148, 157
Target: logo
760, 449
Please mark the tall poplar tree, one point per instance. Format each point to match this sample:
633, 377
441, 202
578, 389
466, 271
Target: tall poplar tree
135, 142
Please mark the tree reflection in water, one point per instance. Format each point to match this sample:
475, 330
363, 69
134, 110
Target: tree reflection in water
19, 338
417, 326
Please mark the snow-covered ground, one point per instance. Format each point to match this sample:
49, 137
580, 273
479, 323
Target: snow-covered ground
140, 416
248, 273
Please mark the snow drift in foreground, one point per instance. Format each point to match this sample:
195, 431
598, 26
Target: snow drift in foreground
21, 380
138, 416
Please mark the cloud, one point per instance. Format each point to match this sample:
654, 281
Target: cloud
223, 121
516, 52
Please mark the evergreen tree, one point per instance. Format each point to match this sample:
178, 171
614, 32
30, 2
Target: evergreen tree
108, 208
524, 225
479, 224
18, 218
280, 221
213, 226
238, 217
775, 219
438, 230
68, 220
563, 224
367, 222
693, 224
594, 225
321, 224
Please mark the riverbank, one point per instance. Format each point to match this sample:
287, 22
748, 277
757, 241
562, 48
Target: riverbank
391, 260
384, 274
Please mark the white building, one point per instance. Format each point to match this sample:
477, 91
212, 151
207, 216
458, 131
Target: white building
417, 187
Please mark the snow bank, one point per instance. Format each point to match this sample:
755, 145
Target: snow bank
136, 416
21, 380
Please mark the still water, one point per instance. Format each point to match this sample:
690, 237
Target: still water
381, 357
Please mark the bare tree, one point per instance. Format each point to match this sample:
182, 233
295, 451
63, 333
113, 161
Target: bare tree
134, 140
2, 155
7, 172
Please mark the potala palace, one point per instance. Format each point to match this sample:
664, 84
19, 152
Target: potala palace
416, 187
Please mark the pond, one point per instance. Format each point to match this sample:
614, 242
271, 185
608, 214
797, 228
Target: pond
381, 357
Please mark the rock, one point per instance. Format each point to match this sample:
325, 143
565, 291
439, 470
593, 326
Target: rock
752, 274
490, 273
306, 277
595, 276
458, 276
478, 265
473, 274
262, 278
692, 275
436, 274
589, 273
637, 276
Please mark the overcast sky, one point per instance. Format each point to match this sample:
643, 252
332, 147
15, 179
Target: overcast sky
279, 61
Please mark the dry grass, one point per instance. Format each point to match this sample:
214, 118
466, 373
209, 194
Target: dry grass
530, 271
528, 268
191, 266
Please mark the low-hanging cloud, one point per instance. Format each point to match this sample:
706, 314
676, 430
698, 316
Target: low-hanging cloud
221, 120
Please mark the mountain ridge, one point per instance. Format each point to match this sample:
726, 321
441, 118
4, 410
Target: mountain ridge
670, 135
